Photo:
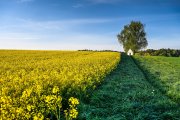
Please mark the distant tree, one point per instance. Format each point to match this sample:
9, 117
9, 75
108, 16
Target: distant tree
161, 52
133, 37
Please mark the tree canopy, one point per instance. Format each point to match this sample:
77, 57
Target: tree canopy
133, 36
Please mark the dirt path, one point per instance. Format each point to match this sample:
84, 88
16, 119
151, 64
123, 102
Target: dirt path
127, 95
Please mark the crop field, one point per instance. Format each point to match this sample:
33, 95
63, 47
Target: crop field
46, 84
163, 72
90, 85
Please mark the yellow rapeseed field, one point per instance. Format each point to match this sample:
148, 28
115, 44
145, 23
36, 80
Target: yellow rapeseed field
41, 84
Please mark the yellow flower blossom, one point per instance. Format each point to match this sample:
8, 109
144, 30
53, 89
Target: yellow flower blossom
73, 101
32, 82
55, 90
73, 113
29, 107
39, 116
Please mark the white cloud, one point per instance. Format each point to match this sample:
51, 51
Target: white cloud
58, 25
62, 42
17, 36
30, 34
68, 24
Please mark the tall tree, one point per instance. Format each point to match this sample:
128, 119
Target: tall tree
133, 36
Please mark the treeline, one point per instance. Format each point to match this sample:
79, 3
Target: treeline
160, 52
99, 50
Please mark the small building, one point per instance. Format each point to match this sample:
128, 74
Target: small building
130, 52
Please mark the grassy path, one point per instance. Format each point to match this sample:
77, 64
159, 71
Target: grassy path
127, 95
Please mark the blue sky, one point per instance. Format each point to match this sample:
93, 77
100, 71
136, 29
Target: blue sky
85, 24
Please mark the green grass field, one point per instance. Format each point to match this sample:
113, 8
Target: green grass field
127, 94
163, 72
